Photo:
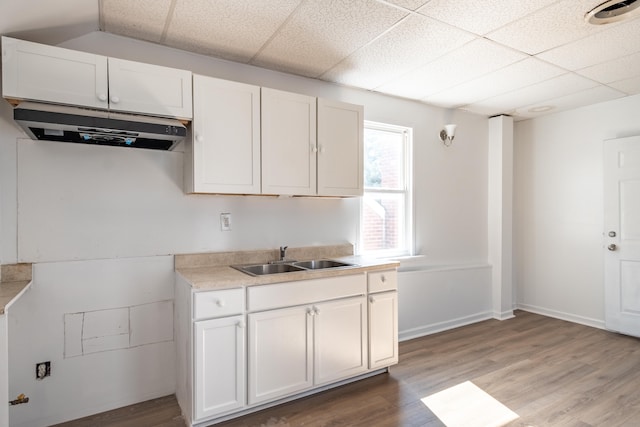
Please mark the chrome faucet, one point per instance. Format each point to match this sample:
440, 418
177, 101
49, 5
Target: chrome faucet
283, 252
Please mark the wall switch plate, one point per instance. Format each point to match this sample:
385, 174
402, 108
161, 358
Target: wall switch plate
225, 221
43, 369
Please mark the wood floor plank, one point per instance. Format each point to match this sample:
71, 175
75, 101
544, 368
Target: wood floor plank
550, 372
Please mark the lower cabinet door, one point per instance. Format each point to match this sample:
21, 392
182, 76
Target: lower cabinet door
383, 329
340, 339
220, 360
280, 349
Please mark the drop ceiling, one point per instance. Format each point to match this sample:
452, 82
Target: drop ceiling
525, 58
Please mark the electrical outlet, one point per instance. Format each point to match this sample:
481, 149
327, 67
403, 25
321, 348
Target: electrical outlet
225, 221
43, 369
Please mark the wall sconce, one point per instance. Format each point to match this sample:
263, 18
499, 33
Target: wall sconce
447, 134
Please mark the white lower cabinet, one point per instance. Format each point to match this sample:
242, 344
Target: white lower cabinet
219, 371
383, 318
294, 349
280, 344
299, 336
383, 329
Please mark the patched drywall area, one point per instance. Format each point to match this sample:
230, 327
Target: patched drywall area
117, 328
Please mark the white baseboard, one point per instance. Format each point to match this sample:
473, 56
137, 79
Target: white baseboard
443, 326
595, 323
505, 315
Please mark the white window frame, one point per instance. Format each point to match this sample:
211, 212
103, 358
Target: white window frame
408, 248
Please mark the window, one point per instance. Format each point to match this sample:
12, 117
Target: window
385, 210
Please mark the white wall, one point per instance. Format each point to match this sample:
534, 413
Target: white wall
71, 208
559, 208
94, 382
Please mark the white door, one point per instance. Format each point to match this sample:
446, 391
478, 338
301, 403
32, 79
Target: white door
280, 349
47, 73
622, 235
340, 339
219, 366
149, 89
340, 148
288, 143
225, 153
383, 329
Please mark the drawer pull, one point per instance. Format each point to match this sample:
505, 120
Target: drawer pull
220, 303
383, 279
372, 299
240, 325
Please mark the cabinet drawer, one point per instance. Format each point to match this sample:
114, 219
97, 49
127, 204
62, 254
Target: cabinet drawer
218, 303
289, 294
380, 281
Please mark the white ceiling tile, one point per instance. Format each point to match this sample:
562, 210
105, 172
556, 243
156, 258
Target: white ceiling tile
321, 34
414, 42
614, 42
553, 26
509, 78
628, 86
229, 29
470, 61
565, 84
575, 100
140, 19
480, 17
409, 4
618, 69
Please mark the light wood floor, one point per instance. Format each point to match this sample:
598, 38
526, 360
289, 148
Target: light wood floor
550, 372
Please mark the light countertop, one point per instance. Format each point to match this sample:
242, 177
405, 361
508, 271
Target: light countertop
14, 279
219, 275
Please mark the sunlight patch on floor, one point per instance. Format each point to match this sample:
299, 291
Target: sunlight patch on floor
467, 405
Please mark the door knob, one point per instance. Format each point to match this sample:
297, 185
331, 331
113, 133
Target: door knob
612, 247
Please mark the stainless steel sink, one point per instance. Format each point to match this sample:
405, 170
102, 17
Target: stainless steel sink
318, 264
262, 269
286, 267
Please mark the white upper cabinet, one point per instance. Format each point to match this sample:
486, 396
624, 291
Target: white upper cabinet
311, 147
340, 148
46, 73
288, 143
39, 72
223, 154
150, 89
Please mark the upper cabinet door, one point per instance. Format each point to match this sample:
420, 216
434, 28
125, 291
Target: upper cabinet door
288, 143
150, 89
340, 148
223, 155
40, 72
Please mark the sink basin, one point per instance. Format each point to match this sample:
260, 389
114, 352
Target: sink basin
317, 264
261, 269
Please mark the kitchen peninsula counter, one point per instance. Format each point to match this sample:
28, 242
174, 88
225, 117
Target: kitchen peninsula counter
14, 280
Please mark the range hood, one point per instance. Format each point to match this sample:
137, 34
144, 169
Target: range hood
72, 124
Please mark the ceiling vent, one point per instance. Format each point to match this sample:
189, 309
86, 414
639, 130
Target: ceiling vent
612, 11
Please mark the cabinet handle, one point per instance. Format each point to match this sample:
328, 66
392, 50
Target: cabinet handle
316, 311
310, 312
321, 149
102, 97
240, 324
383, 279
115, 99
314, 149
220, 303
199, 138
372, 299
